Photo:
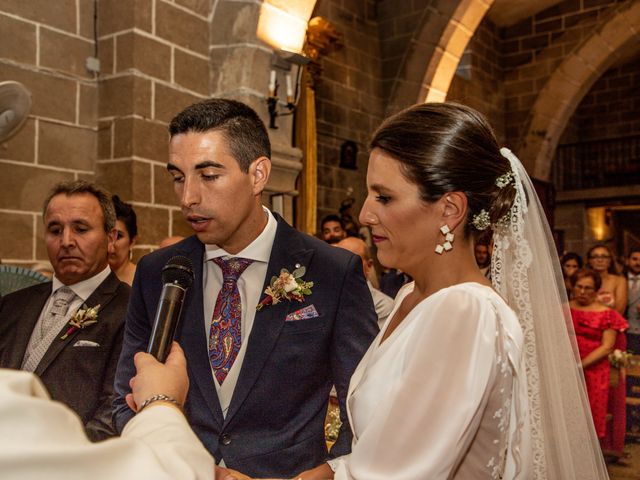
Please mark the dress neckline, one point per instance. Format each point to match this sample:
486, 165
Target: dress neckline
406, 290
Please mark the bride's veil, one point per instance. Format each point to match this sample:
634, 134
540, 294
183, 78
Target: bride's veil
525, 270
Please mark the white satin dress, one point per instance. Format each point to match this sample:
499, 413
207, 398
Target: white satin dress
444, 396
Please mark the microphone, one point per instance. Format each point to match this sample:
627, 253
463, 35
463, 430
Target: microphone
177, 277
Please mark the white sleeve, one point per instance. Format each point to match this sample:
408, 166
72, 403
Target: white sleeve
424, 420
40, 438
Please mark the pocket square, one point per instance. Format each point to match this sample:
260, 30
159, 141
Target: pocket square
307, 312
86, 343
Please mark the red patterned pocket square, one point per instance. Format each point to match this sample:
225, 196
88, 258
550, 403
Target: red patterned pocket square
304, 313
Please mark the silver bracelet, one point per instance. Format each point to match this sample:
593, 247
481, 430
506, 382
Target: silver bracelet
159, 398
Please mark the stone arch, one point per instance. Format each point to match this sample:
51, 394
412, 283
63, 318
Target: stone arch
571, 81
441, 39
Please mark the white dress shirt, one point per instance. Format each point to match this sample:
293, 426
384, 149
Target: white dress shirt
250, 287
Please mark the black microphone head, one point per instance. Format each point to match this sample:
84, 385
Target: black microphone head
178, 270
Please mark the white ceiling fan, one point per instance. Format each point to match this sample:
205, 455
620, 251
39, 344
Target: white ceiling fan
15, 104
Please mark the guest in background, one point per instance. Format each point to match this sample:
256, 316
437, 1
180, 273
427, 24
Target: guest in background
613, 292
381, 302
75, 361
332, 229
596, 327
482, 253
127, 235
633, 300
571, 262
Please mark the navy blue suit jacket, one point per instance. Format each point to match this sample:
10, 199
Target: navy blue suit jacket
275, 424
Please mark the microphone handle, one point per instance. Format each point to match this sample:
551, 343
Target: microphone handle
166, 321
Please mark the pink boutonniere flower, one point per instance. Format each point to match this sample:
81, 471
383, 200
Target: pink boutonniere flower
286, 286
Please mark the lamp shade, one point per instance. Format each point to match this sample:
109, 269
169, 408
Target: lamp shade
283, 23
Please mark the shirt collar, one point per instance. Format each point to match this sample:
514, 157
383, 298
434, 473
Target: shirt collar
631, 276
259, 250
85, 288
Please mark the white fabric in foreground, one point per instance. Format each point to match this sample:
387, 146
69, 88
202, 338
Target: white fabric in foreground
40, 438
427, 402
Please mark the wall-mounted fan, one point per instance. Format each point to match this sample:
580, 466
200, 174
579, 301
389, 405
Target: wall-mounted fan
15, 104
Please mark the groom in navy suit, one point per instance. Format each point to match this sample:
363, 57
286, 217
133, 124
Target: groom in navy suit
261, 361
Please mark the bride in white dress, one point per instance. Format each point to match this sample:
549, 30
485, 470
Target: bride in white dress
458, 385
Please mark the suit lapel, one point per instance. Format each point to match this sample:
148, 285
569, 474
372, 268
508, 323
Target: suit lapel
192, 332
26, 322
100, 296
287, 251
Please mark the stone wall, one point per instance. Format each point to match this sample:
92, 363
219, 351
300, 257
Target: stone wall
154, 62
533, 49
478, 82
45, 48
611, 109
349, 101
156, 57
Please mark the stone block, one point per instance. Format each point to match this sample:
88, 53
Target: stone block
27, 186
130, 179
241, 66
126, 95
88, 108
64, 53
61, 106
18, 40
182, 28
85, 20
118, 15
16, 242
140, 138
163, 192
153, 224
169, 102
106, 48
191, 72
20, 147
199, 7
66, 146
62, 16
142, 53
234, 22
104, 140
179, 225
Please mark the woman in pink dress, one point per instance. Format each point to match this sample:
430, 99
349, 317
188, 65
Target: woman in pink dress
596, 328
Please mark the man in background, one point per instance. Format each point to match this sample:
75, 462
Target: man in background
69, 331
332, 229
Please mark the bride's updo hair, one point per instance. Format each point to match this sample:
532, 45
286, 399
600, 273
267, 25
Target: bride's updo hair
448, 147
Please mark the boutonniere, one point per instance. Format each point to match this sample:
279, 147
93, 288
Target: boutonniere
82, 319
286, 286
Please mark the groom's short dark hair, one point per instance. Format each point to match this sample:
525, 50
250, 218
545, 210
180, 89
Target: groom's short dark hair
240, 124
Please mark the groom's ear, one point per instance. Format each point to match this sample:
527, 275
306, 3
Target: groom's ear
454, 209
259, 170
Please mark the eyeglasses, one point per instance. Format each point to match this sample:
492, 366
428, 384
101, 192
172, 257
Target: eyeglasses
600, 257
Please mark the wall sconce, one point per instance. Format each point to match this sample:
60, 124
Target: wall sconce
283, 25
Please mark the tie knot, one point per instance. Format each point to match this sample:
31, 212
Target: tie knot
61, 299
233, 267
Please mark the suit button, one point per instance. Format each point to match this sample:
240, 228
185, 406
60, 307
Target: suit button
225, 438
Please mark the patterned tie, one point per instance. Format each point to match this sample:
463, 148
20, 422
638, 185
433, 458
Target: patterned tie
225, 336
59, 307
